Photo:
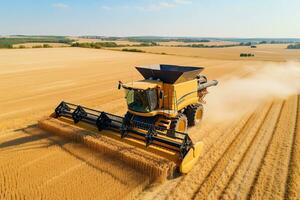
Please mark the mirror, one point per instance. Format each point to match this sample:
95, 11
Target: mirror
120, 85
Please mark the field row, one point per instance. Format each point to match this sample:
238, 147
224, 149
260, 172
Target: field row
256, 157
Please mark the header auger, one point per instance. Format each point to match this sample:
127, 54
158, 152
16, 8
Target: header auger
160, 108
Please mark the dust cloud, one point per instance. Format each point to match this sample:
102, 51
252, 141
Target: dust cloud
236, 96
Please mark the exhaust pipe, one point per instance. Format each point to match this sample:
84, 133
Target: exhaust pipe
208, 84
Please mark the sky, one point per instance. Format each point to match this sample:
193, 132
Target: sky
191, 18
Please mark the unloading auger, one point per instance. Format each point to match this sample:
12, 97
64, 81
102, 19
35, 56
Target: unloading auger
160, 108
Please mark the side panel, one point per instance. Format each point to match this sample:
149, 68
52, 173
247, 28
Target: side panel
186, 93
169, 97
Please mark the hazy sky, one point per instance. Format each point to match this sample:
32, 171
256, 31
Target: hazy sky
203, 18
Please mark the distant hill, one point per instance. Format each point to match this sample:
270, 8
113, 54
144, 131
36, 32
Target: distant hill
198, 39
9, 41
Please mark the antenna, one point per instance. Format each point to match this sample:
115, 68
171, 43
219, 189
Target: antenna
131, 78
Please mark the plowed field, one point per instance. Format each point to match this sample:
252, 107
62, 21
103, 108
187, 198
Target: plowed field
251, 130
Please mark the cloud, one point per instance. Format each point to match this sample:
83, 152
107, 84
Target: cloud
166, 4
183, 2
159, 5
163, 5
60, 6
156, 6
106, 7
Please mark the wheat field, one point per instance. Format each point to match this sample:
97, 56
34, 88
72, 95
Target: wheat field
265, 52
251, 128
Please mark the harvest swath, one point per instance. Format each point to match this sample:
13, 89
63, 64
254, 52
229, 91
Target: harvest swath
254, 156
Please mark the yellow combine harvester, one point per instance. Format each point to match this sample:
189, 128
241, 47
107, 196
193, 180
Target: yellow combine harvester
160, 108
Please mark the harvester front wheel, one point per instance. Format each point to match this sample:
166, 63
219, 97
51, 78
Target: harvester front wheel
180, 123
194, 114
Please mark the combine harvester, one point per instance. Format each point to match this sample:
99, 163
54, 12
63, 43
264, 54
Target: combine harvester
154, 130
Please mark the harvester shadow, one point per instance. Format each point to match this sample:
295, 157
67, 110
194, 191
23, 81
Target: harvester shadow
34, 133
26, 139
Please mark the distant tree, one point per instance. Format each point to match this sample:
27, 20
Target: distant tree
46, 46
37, 46
246, 55
245, 44
198, 45
96, 45
294, 46
75, 44
146, 44
133, 50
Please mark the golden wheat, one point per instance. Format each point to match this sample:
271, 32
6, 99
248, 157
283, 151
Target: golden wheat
217, 180
293, 191
36, 165
192, 181
241, 182
156, 167
256, 155
272, 176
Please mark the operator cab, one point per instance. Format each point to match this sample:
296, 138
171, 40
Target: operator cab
141, 100
142, 96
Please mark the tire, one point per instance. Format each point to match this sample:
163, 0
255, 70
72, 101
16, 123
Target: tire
179, 124
194, 114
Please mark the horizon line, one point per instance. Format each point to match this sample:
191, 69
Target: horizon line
160, 36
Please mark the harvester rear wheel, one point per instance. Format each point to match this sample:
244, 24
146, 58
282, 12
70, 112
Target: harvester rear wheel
194, 114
